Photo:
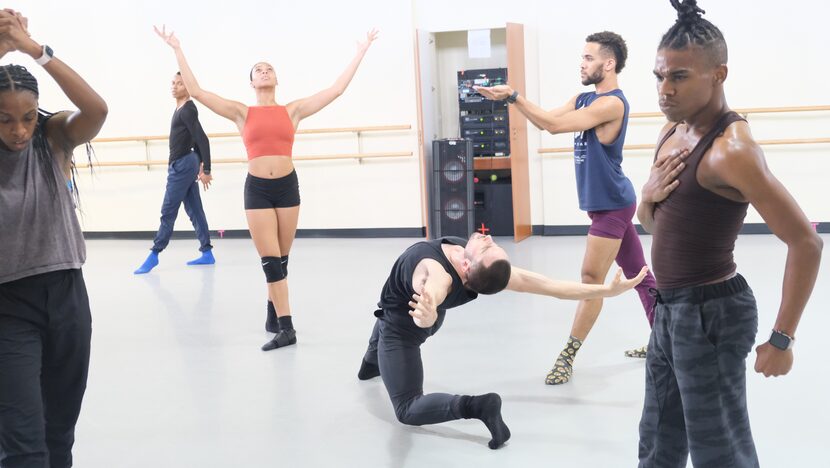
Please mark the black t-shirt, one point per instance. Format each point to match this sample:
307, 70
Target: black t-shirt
186, 135
398, 290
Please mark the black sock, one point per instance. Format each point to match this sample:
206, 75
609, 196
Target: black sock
285, 322
284, 263
487, 408
368, 370
271, 323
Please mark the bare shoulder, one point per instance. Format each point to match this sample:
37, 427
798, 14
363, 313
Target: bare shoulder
429, 269
736, 149
611, 104
54, 130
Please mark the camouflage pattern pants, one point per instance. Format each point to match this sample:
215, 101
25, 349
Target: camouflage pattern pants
695, 401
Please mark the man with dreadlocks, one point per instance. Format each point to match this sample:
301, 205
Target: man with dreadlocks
707, 170
45, 323
598, 120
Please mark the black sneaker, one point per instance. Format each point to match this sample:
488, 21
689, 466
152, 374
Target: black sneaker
281, 339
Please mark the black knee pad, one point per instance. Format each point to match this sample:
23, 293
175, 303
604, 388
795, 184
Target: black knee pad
273, 269
284, 261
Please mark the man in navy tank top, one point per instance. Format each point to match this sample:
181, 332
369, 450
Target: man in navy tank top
598, 120
708, 169
426, 280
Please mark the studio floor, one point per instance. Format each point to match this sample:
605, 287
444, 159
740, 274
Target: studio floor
177, 378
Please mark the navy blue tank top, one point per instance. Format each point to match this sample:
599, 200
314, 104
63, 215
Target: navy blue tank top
600, 182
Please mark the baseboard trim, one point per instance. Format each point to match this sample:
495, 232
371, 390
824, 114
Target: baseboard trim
374, 233
350, 233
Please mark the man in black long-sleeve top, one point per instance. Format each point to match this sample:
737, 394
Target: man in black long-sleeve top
189, 162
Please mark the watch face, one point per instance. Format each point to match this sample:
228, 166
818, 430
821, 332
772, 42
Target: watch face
779, 341
48, 51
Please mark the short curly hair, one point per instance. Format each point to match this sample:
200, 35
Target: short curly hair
611, 43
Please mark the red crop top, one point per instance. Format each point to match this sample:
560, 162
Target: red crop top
268, 131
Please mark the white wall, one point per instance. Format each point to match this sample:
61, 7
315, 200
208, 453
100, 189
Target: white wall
776, 59
112, 45
775, 52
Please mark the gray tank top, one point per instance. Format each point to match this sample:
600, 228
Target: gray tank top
39, 231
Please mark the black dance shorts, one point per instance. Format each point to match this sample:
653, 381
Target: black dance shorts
272, 193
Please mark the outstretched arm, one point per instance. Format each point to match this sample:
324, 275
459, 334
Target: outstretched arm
534, 283
563, 119
65, 130
302, 108
231, 110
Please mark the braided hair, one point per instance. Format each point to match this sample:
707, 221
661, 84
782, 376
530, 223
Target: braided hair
691, 29
16, 78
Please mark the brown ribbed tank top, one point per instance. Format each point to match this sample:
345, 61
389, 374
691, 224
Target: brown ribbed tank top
694, 229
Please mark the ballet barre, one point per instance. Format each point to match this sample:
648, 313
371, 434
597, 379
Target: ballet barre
358, 131
744, 112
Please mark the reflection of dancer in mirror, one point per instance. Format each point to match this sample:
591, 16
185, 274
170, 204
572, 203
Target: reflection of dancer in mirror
189, 162
599, 120
272, 196
45, 323
426, 280
708, 169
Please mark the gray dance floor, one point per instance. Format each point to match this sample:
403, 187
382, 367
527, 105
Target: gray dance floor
177, 378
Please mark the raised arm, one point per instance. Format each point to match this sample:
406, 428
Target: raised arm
231, 110
742, 166
65, 130
431, 284
302, 108
534, 283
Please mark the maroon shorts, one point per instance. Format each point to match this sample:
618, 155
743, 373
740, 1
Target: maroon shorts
611, 224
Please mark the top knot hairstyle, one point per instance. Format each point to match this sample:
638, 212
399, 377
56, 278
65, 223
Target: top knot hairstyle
691, 29
611, 43
16, 78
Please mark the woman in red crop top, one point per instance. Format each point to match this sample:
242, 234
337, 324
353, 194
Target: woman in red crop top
272, 197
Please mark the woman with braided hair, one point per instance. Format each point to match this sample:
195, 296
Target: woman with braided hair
45, 324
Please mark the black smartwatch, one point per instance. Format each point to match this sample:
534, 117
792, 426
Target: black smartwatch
781, 340
512, 98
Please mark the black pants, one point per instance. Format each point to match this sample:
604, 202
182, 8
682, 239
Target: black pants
45, 330
395, 346
695, 399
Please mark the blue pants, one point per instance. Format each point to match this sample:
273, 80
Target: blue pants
182, 188
695, 401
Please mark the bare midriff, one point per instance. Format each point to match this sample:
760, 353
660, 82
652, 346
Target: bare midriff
270, 167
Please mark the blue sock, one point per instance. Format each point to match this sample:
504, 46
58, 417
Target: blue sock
149, 264
205, 259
